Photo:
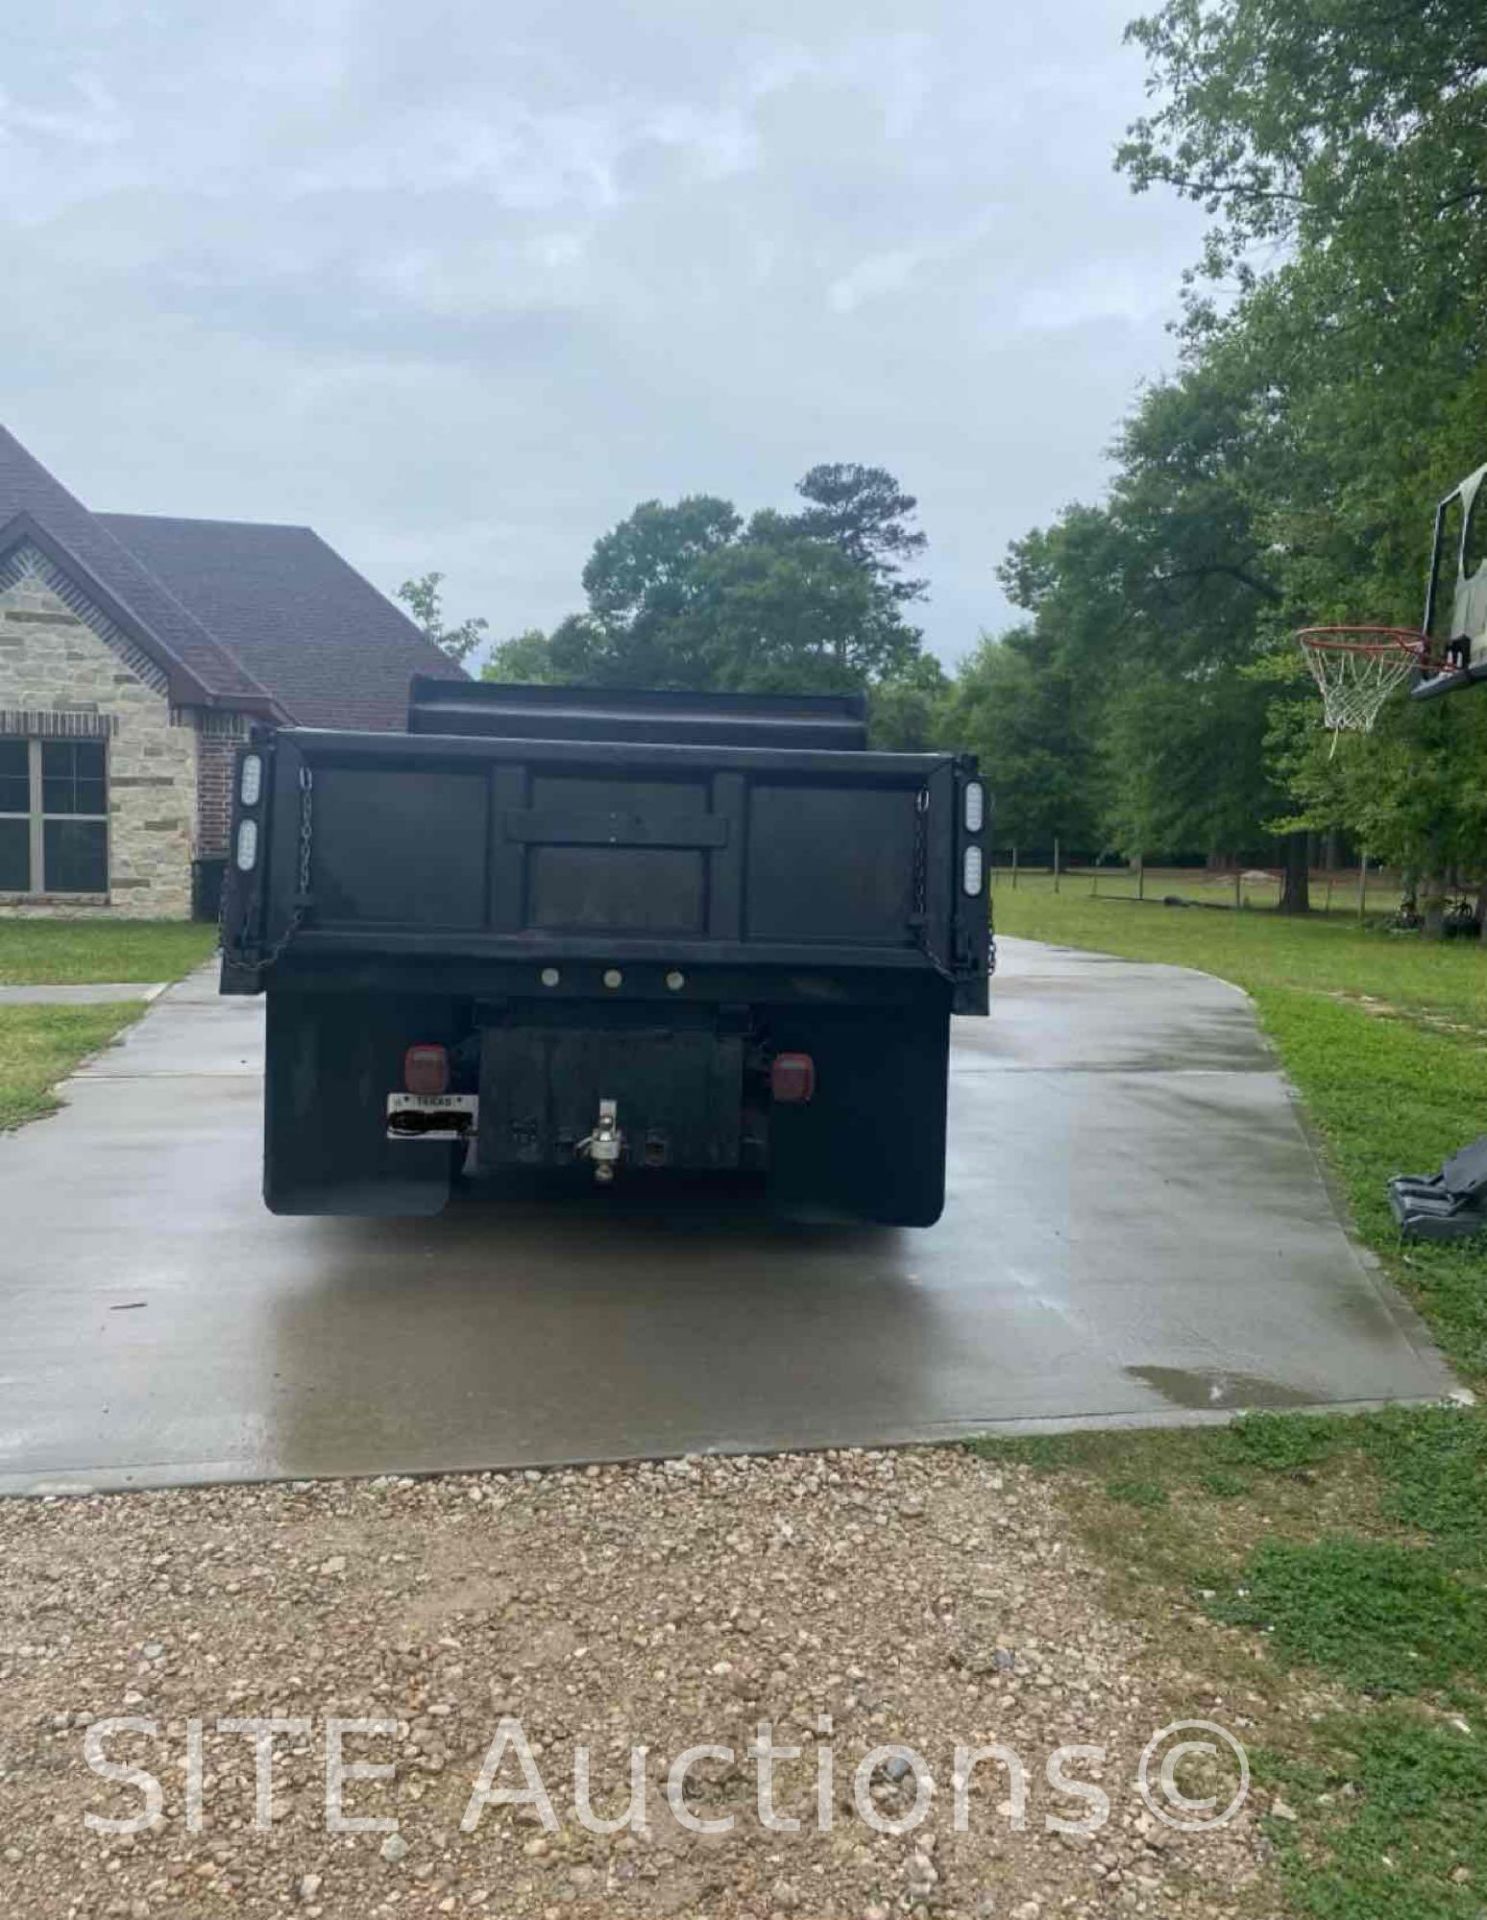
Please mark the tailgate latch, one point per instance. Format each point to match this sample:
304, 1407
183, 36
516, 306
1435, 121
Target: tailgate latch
605, 1144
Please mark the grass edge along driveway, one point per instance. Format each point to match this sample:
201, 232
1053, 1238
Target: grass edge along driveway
41, 1045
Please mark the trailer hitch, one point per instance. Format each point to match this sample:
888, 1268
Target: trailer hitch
605, 1144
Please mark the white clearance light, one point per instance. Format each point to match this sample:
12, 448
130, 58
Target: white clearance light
975, 807
247, 847
970, 876
250, 789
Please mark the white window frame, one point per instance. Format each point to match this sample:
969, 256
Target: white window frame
36, 818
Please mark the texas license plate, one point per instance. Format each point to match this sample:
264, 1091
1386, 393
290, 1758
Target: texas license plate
432, 1116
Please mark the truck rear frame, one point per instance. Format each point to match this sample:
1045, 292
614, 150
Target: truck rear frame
617, 958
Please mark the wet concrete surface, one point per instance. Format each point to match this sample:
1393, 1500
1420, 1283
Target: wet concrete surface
1136, 1231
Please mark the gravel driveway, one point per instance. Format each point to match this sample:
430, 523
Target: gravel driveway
850, 1600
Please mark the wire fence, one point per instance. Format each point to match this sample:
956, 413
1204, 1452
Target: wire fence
1358, 891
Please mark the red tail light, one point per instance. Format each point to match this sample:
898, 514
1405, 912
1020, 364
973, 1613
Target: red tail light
426, 1070
792, 1078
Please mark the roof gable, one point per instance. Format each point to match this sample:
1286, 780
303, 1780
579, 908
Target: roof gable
260, 618
33, 505
335, 652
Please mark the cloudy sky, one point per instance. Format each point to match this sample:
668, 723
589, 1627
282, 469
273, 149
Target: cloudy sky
458, 284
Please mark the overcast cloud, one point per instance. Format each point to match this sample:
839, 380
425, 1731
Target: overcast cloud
459, 284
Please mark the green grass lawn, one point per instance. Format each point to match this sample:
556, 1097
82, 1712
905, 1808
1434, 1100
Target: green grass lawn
74, 952
41, 1045
1330, 1572
1328, 953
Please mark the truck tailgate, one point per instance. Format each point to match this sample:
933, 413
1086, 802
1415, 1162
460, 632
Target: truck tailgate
399, 843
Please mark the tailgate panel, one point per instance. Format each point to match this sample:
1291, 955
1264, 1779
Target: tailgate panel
426, 845
624, 889
831, 863
403, 846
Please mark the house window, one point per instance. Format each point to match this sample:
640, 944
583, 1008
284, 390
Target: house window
53, 816
15, 811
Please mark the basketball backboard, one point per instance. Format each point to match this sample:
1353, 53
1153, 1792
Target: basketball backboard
1456, 600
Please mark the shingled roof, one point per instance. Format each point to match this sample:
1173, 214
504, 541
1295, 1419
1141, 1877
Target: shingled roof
261, 618
332, 651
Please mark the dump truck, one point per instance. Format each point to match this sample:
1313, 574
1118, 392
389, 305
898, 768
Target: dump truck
579, 938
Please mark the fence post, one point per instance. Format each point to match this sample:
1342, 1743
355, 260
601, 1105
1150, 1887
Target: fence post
1362, 887
1055, 863
1140, 876
1014, 869
1238, 888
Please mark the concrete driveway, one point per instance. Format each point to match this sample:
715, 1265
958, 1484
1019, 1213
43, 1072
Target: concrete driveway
1136, 1231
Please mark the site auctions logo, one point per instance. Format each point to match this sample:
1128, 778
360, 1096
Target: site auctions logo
892, 1786
1167, 1800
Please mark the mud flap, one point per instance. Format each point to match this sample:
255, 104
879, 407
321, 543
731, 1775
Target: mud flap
332, 1061
870, 1144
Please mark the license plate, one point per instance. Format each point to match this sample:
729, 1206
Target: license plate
432, 1116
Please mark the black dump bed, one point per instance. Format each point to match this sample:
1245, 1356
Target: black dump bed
517, 826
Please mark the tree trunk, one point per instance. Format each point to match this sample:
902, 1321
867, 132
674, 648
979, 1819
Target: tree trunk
1482, 911
1295, 893
1433, 906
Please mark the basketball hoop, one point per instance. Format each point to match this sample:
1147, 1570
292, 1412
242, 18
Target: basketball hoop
1357, 668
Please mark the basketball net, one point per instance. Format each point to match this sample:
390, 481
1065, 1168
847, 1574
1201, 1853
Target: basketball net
1356, 669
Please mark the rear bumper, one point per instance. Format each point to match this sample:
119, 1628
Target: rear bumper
690, 1095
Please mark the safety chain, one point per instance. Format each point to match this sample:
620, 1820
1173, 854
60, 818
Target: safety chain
920, 920
306, 830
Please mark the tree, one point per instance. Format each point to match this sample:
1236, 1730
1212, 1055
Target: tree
1344, 125
640, 582
424, 600
1200, 579
524, 660
1153, 608
906, 708
643, 571
1411, 792
1022, 713
778, 611
686, 595
865, 512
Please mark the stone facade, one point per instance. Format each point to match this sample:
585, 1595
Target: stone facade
65, 669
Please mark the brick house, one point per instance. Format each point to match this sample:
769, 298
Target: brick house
135, 652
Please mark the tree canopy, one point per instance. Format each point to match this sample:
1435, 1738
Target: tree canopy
688, 594
864, 512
